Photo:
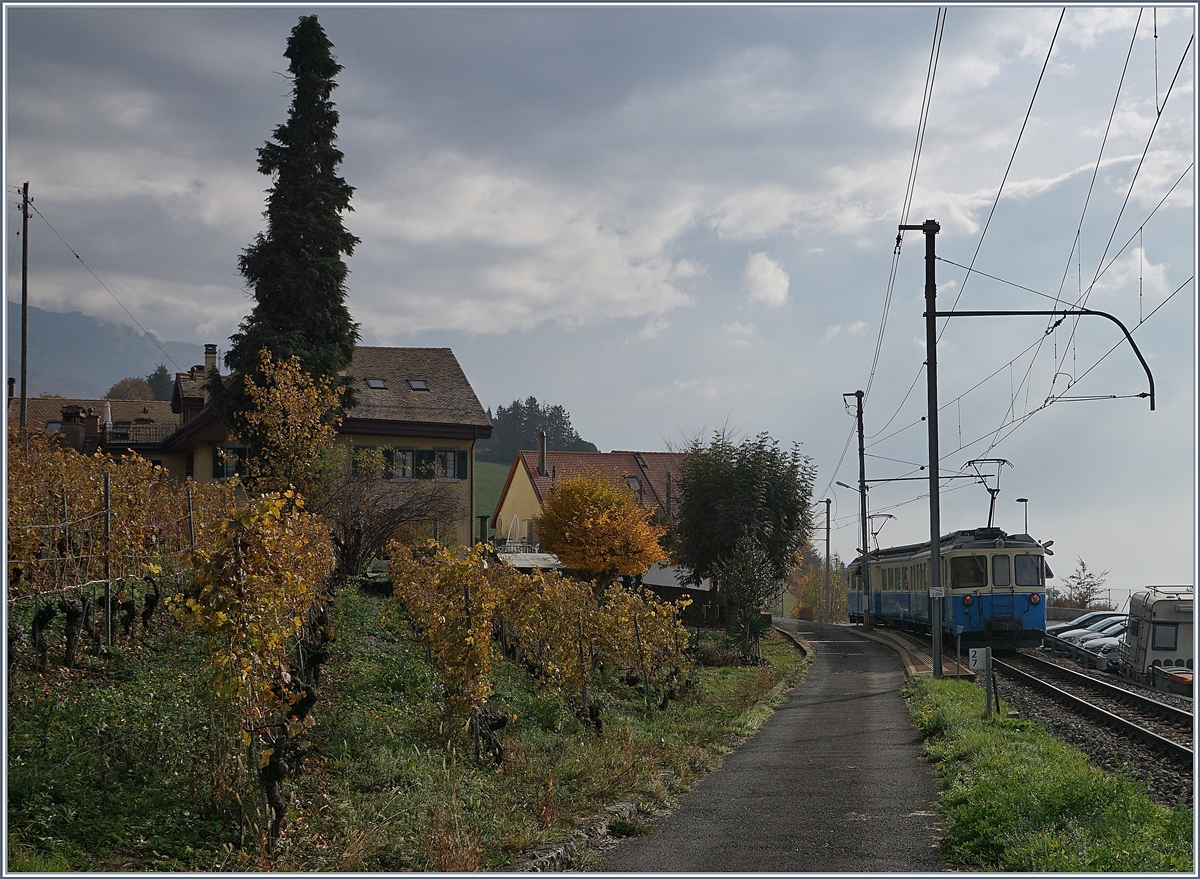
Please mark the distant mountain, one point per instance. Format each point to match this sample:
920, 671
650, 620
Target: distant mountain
75, 355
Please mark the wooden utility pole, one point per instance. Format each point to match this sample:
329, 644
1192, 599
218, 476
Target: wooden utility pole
24, 306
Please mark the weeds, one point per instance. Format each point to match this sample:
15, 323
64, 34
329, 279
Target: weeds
1016, 799
142, 774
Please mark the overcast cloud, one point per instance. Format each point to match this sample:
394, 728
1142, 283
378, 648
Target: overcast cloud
673, 219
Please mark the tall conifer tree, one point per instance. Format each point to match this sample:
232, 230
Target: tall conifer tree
295, 267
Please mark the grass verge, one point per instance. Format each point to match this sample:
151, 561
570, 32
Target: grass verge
1016, 799
113, 766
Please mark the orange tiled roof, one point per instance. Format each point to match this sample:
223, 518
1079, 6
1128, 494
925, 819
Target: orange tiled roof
657, 473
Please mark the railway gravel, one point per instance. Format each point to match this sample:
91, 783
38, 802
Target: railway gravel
1167, 782
1181, 702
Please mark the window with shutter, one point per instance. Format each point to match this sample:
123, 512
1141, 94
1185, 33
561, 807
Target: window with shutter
426, 464
462, 464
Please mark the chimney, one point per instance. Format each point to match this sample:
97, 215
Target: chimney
91, 424
72, 427
12, 387
210, 360
541, 453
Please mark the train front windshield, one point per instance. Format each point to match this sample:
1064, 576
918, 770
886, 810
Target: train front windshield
1029, 570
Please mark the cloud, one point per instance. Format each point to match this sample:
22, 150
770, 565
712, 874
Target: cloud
742, 333
515, 251
705, 389
855, 329
653, 327
1135, 273
764, 280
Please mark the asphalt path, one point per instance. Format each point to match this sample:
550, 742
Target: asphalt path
834, 782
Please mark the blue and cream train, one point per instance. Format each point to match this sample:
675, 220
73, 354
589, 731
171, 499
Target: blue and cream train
994, 587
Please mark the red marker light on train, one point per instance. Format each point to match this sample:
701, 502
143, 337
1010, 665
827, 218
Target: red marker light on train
1034, 598
967, 599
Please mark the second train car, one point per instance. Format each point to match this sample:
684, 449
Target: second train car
994, 588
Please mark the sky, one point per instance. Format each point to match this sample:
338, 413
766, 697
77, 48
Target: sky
676, 220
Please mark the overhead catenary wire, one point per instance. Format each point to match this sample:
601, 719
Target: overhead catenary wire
939, 28
1076, 242
1041, 339
1129, 191
1017, 421
1016, 146
986, 224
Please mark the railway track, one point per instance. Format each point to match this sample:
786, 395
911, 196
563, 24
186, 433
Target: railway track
1163, 727
1143, 703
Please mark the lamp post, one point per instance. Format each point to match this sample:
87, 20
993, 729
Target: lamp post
1024, 501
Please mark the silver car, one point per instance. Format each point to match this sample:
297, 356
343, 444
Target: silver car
1098, 629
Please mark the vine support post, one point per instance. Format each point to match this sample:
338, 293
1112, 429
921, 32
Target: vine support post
582, 666
191, 519
637, 636
107, 559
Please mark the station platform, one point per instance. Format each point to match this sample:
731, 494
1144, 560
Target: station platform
916, 655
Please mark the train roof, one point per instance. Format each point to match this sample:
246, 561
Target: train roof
974, 538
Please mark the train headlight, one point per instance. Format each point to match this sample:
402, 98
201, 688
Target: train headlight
1034, 598
967, 600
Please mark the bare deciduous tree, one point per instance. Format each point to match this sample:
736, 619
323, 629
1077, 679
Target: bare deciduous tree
1083, 587
365, 509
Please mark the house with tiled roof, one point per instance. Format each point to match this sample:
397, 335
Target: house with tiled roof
414, 404
119, 426
653, 477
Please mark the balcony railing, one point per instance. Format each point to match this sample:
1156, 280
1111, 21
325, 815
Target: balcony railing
119, 434
511, 546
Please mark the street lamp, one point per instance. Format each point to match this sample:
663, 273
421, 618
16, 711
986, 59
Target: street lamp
1025, 501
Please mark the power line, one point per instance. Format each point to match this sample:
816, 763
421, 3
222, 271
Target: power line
1096, 170
986, 225
106, 290
1041, 338
1128, 194
1011, 159
939, 28
1139, 323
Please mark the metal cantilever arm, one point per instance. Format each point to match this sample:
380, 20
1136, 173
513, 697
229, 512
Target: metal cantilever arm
1065, 313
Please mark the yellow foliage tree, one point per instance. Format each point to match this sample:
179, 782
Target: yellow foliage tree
290, 426
598, 529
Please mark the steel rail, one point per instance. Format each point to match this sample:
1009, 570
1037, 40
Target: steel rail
1174, 749
1169, 713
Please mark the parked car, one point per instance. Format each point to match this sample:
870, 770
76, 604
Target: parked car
1116, 631
1082, 622
1106, 646
1097, 629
